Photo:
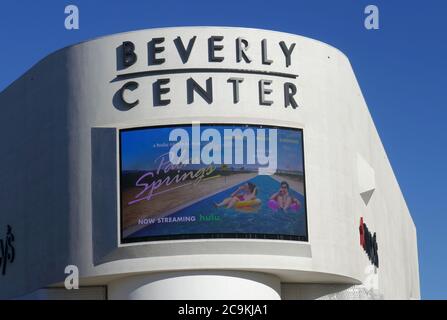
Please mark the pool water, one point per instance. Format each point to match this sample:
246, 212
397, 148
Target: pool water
259, 220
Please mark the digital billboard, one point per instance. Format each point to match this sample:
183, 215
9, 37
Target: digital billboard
212, 181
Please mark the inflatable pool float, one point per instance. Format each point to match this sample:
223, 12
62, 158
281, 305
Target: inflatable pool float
274, 205
248, 203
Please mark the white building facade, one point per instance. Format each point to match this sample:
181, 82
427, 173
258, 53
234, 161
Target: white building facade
61, 171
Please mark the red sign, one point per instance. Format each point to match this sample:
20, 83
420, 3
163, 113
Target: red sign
368, 242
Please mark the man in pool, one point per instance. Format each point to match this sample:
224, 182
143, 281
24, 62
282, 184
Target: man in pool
246, 192
283, 197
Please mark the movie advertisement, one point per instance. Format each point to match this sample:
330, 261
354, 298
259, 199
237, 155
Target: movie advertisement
212, 181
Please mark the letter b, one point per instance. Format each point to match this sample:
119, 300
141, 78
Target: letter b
129, 55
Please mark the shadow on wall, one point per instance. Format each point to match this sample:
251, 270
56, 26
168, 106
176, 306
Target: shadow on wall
35, 180
104, 192
119, 58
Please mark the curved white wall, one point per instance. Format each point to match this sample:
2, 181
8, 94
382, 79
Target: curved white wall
197, 285
58, 134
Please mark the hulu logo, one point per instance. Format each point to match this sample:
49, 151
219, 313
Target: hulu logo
209, 218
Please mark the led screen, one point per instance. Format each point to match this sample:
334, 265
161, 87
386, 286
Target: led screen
212, 181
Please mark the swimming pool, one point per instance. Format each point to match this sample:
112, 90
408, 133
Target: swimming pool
212, 220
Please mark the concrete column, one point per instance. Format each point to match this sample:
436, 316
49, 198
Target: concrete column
197, 285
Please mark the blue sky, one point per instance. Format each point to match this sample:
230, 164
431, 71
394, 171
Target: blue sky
401, 69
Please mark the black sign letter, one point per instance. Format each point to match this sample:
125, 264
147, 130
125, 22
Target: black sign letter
212, 48
129, 55
153, 50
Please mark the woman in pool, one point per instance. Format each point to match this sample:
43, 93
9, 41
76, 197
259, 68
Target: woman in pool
284, 199
246, 192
